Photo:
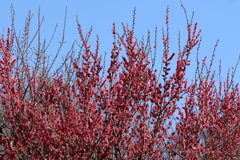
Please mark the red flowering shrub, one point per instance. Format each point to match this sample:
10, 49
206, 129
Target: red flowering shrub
127, 114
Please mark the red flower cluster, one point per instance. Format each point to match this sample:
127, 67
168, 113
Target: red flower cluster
127, 114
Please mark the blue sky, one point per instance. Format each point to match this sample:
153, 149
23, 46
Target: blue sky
217, 19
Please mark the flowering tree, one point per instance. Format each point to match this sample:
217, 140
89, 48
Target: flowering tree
78, 112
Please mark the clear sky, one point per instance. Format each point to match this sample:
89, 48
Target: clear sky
218, 19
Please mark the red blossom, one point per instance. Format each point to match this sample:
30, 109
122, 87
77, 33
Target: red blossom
126, 114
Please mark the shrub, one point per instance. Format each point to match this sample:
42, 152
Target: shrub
78, 112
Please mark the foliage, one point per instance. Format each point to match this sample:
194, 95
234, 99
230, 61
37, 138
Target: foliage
78, 113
